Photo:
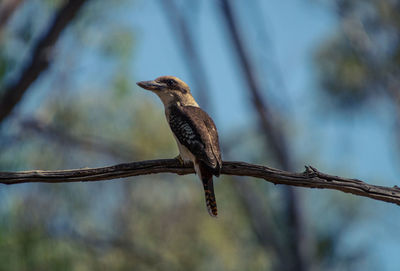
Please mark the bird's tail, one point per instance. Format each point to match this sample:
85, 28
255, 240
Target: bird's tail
206, 177
210, 196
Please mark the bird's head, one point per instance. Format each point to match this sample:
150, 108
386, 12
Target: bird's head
170, 89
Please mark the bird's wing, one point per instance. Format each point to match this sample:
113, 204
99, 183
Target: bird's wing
212, 130
197, 132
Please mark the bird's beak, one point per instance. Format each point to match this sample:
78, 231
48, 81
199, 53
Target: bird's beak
149, 85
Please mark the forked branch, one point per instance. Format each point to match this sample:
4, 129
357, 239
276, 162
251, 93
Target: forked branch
311, 177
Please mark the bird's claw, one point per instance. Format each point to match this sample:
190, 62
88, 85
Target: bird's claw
179, 158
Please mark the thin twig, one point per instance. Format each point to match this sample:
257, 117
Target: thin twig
311, 177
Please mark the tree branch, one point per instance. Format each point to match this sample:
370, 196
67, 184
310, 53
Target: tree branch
41, 58
7, 9
311, 177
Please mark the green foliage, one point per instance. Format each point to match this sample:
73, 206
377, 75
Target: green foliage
343, 74
361, 61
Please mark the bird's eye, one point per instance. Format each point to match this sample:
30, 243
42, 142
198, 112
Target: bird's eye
170, 82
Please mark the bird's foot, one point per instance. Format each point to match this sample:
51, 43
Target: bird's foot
179, 158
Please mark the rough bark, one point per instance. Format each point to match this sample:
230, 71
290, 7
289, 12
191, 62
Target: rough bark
311, 177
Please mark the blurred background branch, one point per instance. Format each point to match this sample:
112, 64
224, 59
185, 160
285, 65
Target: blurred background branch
7, 8
42, 55
300, 246
118, 150
178, 22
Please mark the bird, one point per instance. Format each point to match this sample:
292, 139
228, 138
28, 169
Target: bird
194, 131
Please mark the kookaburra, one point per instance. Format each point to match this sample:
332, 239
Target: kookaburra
193, 129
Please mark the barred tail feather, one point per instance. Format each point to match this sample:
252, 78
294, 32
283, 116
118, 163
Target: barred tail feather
206, 177
210, 197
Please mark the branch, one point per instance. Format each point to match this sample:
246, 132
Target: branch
41, 57
7, 8
272, 131
311, 177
